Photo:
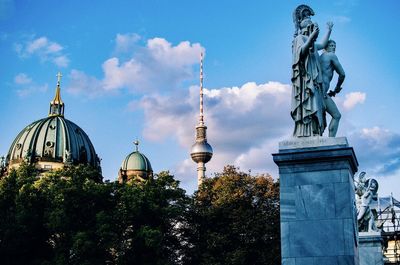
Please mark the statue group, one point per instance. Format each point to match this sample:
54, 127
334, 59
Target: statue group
312, 73
366, 191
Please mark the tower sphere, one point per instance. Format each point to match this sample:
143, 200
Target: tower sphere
201, 152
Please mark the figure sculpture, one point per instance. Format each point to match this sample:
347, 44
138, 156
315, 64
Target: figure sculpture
366, 191
307, 104
330, 64
68, 157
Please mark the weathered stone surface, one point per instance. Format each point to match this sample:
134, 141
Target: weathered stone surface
285, 239
288, 261
315, 238
288, 203
343, 207
371, 248
325, 261
317, 203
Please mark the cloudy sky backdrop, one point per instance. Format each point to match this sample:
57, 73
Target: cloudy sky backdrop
130, 71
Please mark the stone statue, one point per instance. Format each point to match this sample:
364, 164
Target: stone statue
366, 191
360, 184
307, 108
330, 64
68, 157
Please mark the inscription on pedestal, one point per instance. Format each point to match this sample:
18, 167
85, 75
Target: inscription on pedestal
308, 142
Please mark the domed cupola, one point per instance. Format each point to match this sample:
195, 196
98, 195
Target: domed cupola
135, 166
53, 142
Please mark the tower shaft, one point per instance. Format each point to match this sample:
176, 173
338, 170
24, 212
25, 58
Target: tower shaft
201, 173
201, 150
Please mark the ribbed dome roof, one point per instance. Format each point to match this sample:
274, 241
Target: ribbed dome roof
53, 142
53, 139
136, 161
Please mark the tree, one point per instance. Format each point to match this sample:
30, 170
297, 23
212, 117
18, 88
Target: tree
22, 231
150, 215
236, 220
69, 217
77, 215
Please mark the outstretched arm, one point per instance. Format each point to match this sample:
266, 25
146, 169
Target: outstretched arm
324, 41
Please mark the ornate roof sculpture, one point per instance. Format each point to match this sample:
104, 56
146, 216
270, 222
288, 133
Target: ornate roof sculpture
53, 142
201, 149
135, 166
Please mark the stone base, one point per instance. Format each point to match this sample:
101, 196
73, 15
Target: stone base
370, 248
318, 223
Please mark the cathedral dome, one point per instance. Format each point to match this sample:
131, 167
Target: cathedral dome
52, 142
135, 165
136, 161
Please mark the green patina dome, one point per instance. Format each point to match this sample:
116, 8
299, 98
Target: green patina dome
52, 142
136, 161
53, 139
136, 166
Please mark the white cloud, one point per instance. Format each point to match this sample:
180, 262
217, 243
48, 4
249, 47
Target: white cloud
157, 66
36, 45
378, 150
22, 79
244, 126
353, 98
25, 91
25, 86
79, 83
61, 61
126, 42
44, 49
375, 134
121, 75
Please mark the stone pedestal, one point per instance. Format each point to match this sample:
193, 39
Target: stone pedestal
370, 248
318, 223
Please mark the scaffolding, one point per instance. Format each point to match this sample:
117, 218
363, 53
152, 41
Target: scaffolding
388, 220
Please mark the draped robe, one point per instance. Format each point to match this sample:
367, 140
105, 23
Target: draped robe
307, 95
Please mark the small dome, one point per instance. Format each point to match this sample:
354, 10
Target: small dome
201, 152
136, 161
52, 142
136, 166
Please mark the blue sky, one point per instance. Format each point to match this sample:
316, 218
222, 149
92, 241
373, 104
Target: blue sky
130, 70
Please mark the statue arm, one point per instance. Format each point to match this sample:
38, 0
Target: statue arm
339, 70
324, 41
310, 41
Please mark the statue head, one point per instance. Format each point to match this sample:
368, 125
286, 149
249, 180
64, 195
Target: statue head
361, 176
301, 17
373, 185
331, 47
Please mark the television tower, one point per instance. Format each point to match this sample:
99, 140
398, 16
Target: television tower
201, 150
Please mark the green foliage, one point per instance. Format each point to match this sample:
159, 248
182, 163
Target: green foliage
22, 231
237, 220
70, 217
148, 216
